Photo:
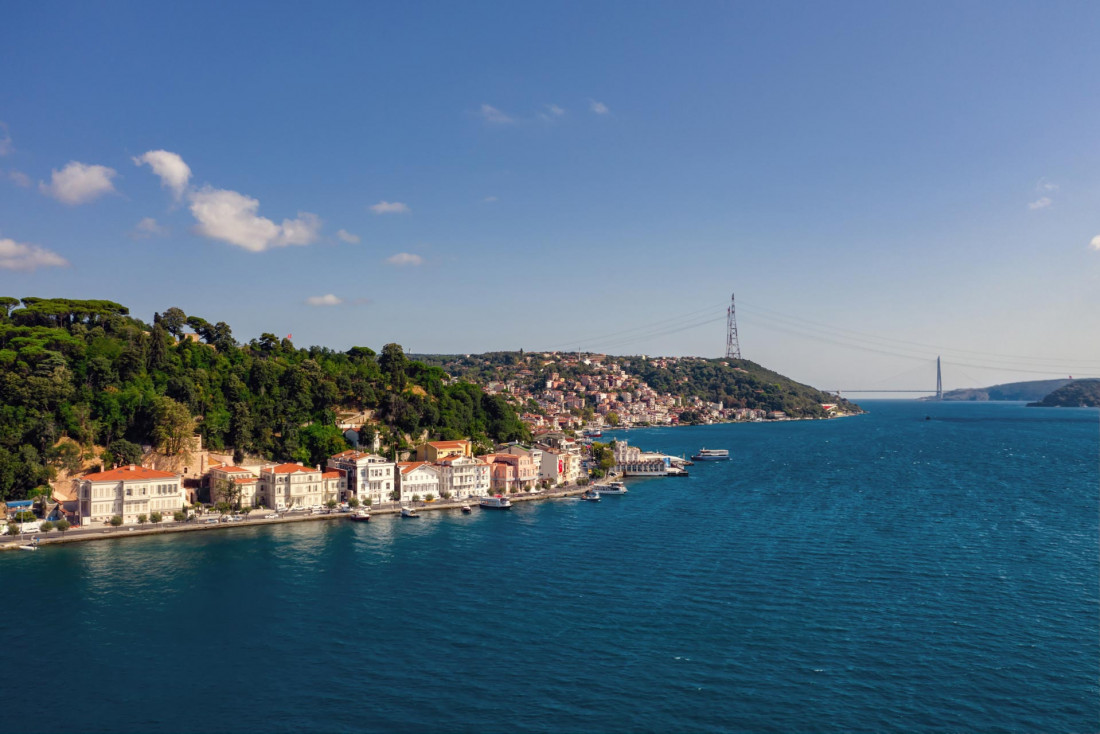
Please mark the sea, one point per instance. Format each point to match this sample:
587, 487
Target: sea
926, 567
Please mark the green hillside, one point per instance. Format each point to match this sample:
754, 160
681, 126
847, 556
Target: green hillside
89, 371
737, 383
1079, 393
1029, 390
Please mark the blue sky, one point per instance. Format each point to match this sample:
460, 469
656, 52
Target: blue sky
878, 182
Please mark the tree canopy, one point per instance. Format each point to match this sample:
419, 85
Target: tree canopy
89, 371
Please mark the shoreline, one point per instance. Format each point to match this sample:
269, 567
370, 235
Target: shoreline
732, 423
392, 508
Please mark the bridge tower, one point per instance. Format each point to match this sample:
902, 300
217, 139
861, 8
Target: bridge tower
939, 381
733, 347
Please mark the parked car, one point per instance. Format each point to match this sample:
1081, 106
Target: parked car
271, 516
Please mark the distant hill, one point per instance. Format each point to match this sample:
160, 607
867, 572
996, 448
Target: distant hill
1032, 390
1079, 393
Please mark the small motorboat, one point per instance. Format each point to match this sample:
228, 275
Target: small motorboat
360, 515
409, 512
590, 495
466, 509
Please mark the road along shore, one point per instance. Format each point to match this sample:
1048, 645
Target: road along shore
81, 535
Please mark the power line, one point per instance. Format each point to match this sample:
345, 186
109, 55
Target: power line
690, 315
937, 349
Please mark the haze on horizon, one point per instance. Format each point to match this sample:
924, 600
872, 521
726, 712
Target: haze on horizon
879, 183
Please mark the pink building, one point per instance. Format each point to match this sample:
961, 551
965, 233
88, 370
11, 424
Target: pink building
510, 471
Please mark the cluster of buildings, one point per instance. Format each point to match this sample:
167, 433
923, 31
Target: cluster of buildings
604, 386
442, 469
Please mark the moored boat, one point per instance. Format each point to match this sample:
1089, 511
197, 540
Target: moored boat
409, 512
712, 455
498, 502
360, 515
612, 488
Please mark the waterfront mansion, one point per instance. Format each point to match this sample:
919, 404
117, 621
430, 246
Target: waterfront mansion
127, 492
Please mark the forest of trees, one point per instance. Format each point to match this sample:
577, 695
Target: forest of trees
88, 371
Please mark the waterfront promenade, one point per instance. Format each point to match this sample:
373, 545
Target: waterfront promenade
200, 523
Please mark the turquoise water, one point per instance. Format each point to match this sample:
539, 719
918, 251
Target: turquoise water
878, 573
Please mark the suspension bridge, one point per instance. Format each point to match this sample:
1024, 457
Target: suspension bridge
939, 386
764, 319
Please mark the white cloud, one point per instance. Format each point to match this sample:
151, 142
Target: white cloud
20, 178
490, 199
25, 256
555, 110
346, 236
1095, 244
390, 207
78, 183
405, 258
231, 217
326, 300
5, 140
148, 227
1041, 203
174, 173
1046, 186
598, 107
493, 115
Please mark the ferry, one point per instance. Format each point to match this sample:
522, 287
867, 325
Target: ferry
499, 502
712, 455
593, 433
360, 515
409, 512
590, 495
613, 488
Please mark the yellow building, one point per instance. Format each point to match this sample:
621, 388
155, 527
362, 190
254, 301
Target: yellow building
436, 450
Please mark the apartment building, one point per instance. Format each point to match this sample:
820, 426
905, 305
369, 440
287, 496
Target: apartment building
367, 476
289, 486
464, 476
246, 482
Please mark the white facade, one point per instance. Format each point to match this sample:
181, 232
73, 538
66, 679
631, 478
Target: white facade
288, 486
464, 477
128, 492
247, 482
418, 479
369, 476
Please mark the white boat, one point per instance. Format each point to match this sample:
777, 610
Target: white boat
499, 502
711, 455
360, 515
409, 512
613, 488
590, 495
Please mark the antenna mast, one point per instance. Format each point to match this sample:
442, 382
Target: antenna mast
733, 347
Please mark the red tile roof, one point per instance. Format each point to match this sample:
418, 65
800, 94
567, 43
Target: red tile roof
289, 469
130, 473
332, 474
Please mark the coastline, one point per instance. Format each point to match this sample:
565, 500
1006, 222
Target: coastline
394, 508
733, 423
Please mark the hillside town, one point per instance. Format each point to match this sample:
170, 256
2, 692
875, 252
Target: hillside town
568, 392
